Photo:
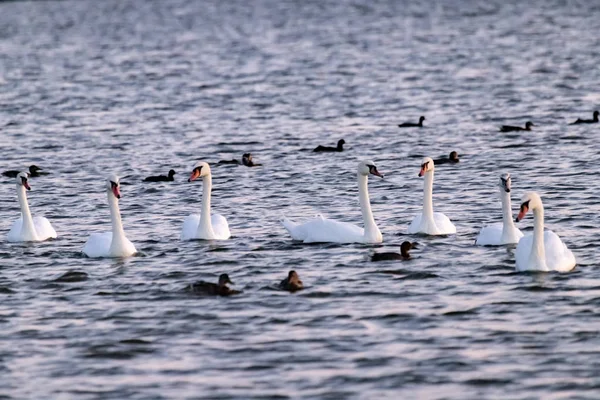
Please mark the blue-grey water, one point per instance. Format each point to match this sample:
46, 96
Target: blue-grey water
135, 88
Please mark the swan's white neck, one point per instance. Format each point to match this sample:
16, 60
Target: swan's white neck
28, 232
538, 251
372, 233
508, 226
118, 234
205, 229
428, 199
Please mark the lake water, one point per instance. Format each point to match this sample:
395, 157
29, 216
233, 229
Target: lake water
138, 87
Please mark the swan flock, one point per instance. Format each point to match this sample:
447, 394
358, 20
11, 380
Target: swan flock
541, 251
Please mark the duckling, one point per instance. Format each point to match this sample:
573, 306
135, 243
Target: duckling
161, 178
452, 159
327, 149
587, 121
213, 289
292, 283
404, 249
509, 128
247, 160
412, 124
34, 172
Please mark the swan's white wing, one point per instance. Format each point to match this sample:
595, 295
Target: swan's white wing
220, 227
445, 226
490, 235
125, 250
323, 230
415, 225
98, 245
190, 227
14, 235
43, 228
558, 256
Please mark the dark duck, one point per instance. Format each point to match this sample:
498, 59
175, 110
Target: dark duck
34, 172
327, 149
292, 283
405, 247
246, 161
587, 121
213, 289
452, 159
412, 124
161, 178
509, 128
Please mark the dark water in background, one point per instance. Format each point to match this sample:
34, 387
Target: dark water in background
136, 88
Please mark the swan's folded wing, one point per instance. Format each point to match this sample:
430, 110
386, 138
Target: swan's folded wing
14, 235
220, 226
444, 224
415, 225
43, 228
323, 230
190, 227
558, 256
490, 235
98, 245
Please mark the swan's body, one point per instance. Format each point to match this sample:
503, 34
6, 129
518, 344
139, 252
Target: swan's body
541, 251
204, 226
428, 222
28, 228
114, 243
320, 229
504, 232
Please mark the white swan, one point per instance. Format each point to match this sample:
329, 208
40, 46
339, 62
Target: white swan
428, 222
28, 228
504, 232
326, 230
114, 243
542, 251
204, 226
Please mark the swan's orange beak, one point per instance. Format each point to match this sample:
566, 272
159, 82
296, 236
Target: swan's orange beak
26, 184
116, 191
422, 171
522, 212
195, 174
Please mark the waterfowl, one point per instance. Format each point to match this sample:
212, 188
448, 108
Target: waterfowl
213, 289
405, 247
412, 124
339, 148
28, 228
34, 172
452, 159
428, 222
292, 283
509, 128
205, 226
504, 232
587, 121
113, 243
161, 178
542, 251
322, 230
247, 161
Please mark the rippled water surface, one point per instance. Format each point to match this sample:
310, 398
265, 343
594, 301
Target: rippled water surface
138, 87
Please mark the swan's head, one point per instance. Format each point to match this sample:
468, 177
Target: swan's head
530, 201
505, 182
23, 180
528, 125
224, 280
426, 166
113, 186
368, 167
200, 170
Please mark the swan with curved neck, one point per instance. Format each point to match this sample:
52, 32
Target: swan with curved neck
28, 228
428, 222
501, 233
544, 250
205, 226
113, 243
326, 230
